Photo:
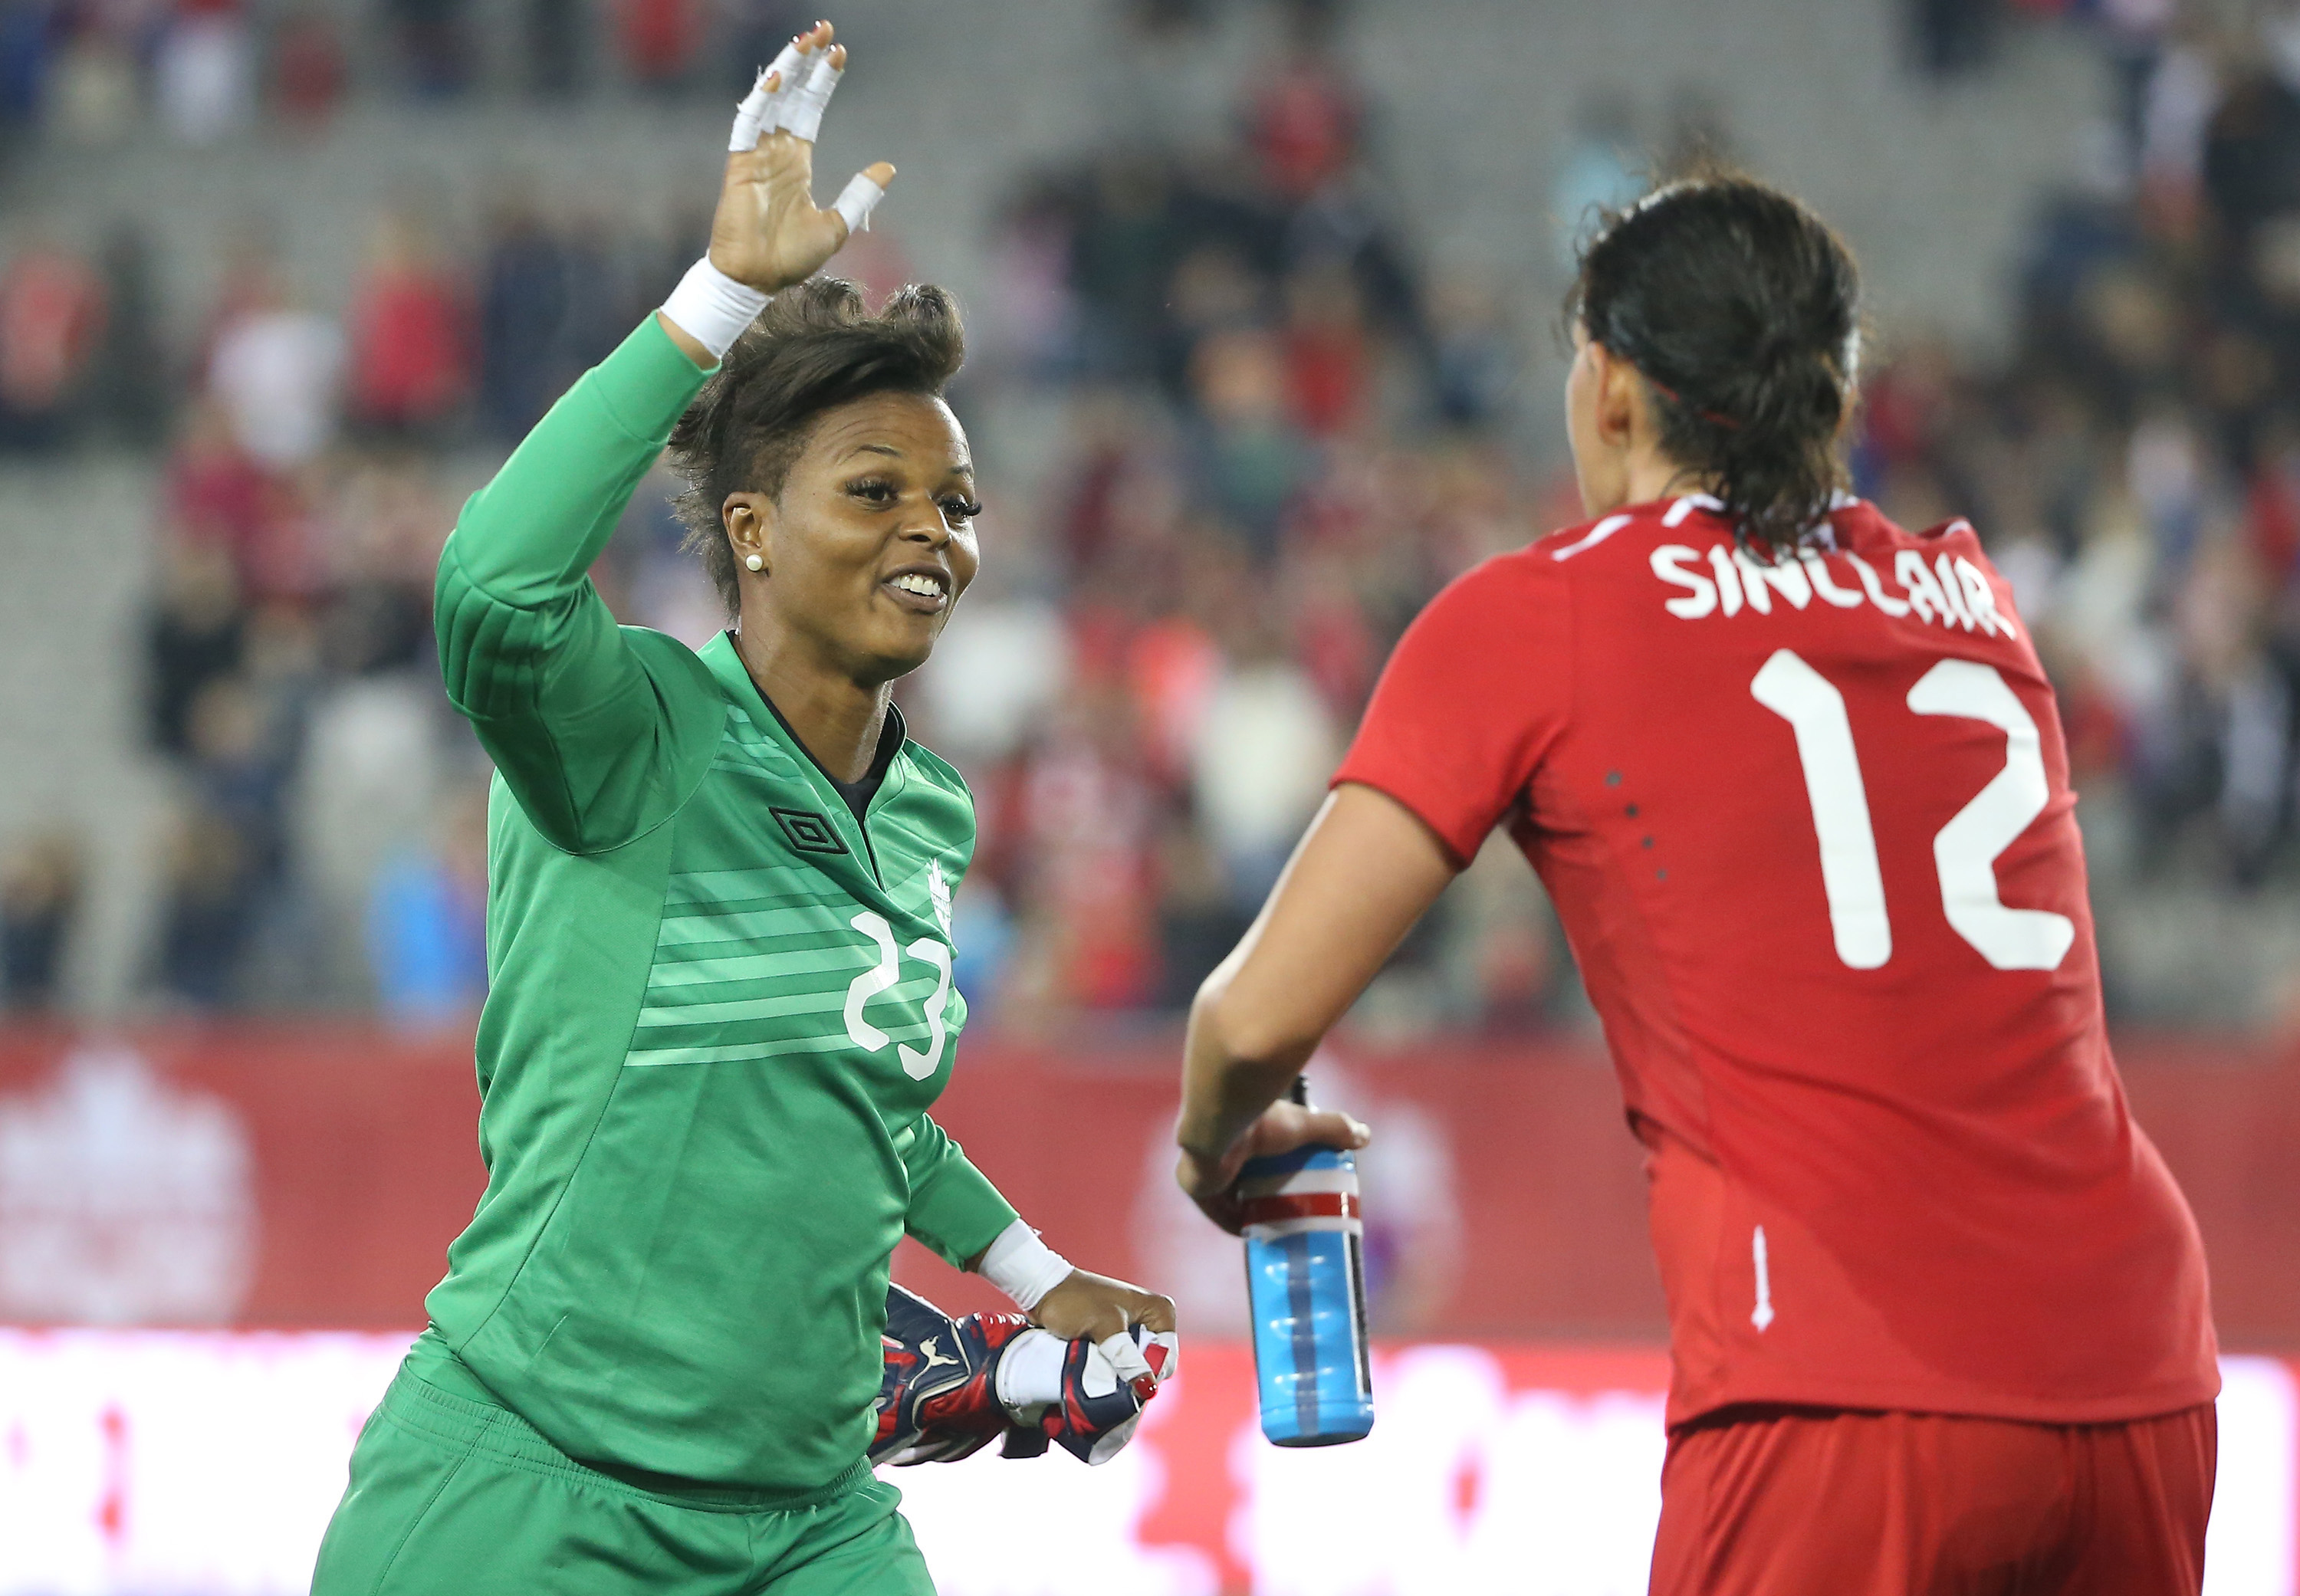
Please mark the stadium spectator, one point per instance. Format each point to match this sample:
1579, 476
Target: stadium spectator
209, 895
227, 843
1307, 113
1250, 457
382, 528
522, 301
308, 69
50, 318
598, 296
558, 43
409, 361
40, 894
1600, 172
250, 277
217, 496
435, 46
26, 56
1264, 746
204, 74
1474, 358
1087, 835
1948, 39
1121, 247
996, 678
657, 38
427, 920
93, 94
130, 390
1214, 290
1329, 360
1032, 320
197, 635
276, 374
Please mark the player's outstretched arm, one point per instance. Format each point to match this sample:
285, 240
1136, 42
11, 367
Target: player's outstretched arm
1367, 870
768, 232
565, 702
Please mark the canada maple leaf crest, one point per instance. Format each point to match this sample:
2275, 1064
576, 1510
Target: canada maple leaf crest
938, 894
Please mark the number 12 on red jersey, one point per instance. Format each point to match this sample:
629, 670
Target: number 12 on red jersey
1964, 850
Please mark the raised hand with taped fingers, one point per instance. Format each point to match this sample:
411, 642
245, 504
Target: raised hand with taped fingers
768, 232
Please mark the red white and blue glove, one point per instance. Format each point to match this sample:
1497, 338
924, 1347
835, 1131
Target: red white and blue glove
949, 1387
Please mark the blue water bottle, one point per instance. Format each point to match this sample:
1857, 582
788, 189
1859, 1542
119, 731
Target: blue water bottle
1306, 1279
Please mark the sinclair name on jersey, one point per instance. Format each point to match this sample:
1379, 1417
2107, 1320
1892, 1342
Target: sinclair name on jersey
1724, 579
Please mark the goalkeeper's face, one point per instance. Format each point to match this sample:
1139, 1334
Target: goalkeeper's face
871, 540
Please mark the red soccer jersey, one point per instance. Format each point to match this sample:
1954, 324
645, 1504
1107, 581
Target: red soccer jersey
1810, 831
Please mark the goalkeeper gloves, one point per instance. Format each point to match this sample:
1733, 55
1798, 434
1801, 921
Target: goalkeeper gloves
948, 1387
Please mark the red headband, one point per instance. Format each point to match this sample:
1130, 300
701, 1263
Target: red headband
1709, 415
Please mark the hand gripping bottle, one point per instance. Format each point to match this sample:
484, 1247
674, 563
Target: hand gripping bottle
1306, 1277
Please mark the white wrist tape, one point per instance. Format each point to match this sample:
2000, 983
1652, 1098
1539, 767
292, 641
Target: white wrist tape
1024, 1267
856, 201
712, 308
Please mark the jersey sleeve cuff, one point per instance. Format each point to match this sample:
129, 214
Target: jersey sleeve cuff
954, 1210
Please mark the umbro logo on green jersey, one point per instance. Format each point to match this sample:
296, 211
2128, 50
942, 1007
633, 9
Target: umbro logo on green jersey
808, 832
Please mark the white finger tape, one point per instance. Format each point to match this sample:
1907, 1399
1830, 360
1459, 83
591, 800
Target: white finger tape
751, 116
856, 201
1125, 1357
799, 111
756, 114
1138, 1350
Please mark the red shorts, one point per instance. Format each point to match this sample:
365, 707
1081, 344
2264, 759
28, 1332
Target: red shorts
1775, 1502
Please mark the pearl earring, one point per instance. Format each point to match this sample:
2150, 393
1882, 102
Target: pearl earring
755, 563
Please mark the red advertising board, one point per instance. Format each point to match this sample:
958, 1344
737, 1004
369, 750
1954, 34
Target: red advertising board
313, 1178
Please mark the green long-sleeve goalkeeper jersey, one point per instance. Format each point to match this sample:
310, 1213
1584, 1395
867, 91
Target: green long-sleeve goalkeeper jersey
719, 1009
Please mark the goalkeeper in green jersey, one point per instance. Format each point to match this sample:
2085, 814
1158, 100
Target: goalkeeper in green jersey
719, 937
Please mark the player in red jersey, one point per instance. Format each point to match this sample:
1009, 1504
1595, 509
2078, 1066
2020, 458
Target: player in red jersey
1797, 784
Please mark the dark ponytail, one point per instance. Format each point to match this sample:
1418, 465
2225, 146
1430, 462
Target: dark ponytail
1740, 308
816, 346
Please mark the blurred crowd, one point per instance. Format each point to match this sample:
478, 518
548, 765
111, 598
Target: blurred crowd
2135, 463
330, 834
1240, 429
98, 71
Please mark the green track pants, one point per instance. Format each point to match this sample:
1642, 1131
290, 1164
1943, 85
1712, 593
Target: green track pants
451, 1497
